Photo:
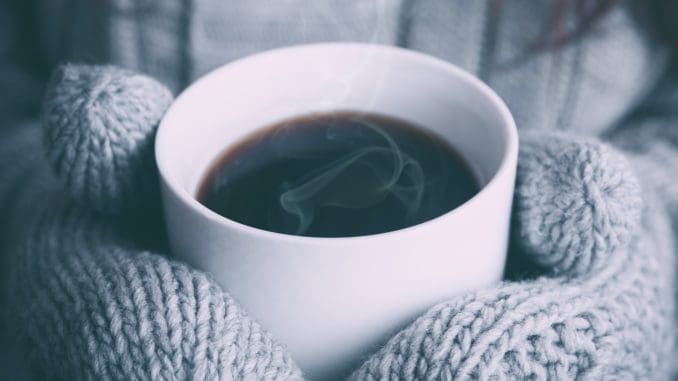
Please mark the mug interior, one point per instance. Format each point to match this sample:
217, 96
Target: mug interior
235, 100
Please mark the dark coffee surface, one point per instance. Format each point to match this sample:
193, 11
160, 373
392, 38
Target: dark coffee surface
336, 175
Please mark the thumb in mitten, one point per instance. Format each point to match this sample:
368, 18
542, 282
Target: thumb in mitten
577, 202
99, 124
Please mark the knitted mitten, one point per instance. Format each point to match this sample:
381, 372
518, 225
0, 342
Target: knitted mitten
604, 308
91, 296
92, 299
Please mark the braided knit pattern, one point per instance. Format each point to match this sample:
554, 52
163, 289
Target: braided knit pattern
129, 314
92, 301
613, 324
100, 137
95, 307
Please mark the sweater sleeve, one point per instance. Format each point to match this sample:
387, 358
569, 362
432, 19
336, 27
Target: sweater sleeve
649, 137
21, 83
21, 164
23, 75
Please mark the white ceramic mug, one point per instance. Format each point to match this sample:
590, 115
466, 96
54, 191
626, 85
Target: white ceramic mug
333, 301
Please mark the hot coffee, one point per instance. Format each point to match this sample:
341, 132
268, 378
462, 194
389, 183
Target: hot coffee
337, 174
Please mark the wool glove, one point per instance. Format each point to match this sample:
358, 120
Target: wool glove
93, 297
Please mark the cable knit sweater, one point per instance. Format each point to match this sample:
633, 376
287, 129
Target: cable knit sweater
93, 296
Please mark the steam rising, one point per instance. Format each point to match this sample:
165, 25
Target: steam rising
359, 179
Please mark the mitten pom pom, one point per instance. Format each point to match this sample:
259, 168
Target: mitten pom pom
99, 127
577, 201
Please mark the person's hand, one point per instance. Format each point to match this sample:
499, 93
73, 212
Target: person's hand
92, 295
602, 307
93, 299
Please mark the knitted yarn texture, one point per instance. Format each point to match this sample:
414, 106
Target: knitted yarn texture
577, 201
94, 306
100, 137
95, 302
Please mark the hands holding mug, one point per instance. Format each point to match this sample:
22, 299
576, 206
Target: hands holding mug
333, 301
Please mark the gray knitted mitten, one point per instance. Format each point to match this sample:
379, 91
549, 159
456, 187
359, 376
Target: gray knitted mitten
93, 300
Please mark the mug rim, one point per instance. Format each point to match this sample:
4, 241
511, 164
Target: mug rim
165, 170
